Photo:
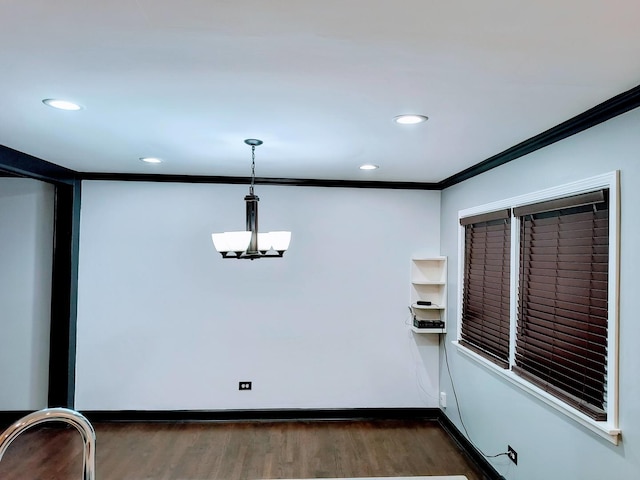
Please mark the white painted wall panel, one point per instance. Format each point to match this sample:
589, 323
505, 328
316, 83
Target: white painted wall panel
165, 323
26, 240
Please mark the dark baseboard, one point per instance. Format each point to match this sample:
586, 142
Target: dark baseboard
472, 452
7, 417
261, 415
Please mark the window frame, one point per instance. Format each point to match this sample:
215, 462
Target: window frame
609, 428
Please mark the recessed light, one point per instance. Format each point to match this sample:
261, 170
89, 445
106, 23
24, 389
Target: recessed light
150, 160
368, 166
61, 104
410, 119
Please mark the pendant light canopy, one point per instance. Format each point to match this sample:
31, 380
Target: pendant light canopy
249, 243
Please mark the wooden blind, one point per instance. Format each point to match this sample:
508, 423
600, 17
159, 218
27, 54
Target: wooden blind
485, 298
561, 340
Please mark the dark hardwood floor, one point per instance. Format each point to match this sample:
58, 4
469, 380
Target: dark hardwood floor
240, 451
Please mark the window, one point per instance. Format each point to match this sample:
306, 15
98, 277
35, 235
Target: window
538, 295
485, 297
561, 337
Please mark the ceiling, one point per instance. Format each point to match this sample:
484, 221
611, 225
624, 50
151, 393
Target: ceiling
318, 81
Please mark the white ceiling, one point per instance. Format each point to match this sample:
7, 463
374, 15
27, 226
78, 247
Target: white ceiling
318, 81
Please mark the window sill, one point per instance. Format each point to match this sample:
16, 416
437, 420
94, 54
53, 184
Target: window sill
604, 429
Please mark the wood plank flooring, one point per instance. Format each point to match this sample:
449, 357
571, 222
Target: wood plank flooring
240, 451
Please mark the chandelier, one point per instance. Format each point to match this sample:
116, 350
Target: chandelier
249, 243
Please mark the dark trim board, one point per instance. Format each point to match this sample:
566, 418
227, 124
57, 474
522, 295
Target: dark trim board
24, 165
64, 296
7, 417
478, 459
261, 415
607, 110
295, 182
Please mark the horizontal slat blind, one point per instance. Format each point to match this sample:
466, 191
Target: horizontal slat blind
561, 340
485, 299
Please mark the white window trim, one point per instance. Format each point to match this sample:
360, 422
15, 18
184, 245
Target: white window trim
608, 429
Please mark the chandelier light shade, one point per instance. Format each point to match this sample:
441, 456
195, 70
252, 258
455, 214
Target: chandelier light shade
250, 244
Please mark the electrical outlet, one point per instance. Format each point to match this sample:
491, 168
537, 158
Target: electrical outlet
443, 399
244, 386
512, 454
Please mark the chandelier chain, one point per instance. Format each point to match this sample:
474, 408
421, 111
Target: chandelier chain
253, 168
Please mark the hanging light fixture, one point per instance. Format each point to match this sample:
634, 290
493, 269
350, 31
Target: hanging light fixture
249, 243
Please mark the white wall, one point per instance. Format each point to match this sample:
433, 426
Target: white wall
496, 413
26, 240
165, 323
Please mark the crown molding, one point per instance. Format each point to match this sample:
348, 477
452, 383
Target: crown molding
296, 182
24, 165
607, 110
